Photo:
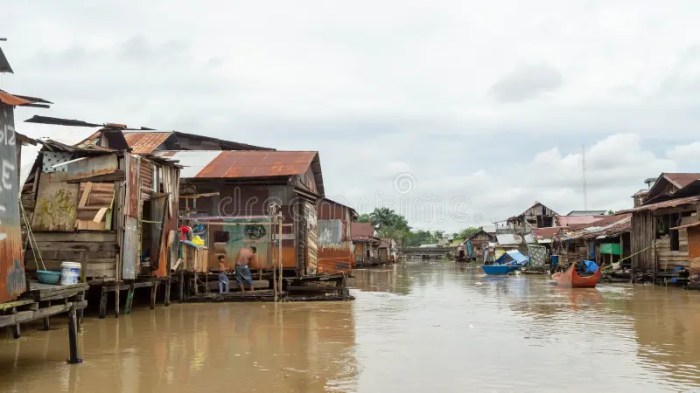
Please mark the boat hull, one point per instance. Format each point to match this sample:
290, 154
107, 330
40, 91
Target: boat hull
570, 278
497, 270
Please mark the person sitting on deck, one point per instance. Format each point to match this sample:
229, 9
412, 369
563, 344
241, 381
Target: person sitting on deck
223, 278
245, 257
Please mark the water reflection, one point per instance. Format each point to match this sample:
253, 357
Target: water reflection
237, 347
441, 326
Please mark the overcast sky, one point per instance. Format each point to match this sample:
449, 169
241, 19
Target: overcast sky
456, 113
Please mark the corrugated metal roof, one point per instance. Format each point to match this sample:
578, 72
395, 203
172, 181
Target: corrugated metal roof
145, 142
362, 230
665, 204
564, 221
10, 99
681, 180
252, 164
192, 161
509, 239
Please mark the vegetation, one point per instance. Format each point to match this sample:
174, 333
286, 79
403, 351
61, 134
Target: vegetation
390, 224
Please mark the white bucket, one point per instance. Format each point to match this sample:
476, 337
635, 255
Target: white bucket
70, 273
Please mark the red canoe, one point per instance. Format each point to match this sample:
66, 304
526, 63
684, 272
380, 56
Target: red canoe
570, 278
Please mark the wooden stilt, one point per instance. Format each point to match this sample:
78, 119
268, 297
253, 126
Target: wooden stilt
103, 303
168, 285
129, 299
154, 293
181, 286
116, 301
73, 337
16, 331
47, 323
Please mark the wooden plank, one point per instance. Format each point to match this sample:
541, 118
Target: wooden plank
56, 206
15, 304
100, 215
86, 195
81, 237
89, 225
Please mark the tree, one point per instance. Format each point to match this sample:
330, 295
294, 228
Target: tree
363, 218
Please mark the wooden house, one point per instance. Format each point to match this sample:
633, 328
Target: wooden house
606, 240
97, 203
335, 248
478, 242
536, 216
660, 226
387, 251
229, 194
366, 244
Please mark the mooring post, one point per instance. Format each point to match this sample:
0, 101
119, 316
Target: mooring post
73, 337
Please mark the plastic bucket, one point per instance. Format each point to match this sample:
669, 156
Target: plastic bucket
70, 273
555, 260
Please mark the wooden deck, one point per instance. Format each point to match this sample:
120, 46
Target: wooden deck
44, 301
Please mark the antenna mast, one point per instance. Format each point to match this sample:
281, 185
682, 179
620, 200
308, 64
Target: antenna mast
585, 186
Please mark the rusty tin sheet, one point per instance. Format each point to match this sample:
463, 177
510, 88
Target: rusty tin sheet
12, 280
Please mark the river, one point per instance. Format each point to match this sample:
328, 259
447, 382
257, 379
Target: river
414, 327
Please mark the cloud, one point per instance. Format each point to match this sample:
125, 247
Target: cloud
527, 82
486, 102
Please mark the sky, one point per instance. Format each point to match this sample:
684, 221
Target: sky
454, 113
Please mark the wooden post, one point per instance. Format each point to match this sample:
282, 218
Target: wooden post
154, 293
129, 299
116, 299
16, 331
181, 285
73, 337
168, 284
103, 302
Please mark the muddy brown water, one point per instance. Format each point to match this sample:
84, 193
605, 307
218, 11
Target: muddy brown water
414, 327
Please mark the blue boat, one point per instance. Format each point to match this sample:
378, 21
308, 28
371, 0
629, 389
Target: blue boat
508, 262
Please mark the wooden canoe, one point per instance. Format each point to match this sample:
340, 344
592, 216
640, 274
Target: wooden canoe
570, 278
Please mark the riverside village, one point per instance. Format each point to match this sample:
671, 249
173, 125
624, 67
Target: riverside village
141, 258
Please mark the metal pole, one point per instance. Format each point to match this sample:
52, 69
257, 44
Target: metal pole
279, 254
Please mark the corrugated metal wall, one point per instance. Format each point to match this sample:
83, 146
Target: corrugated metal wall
12, 279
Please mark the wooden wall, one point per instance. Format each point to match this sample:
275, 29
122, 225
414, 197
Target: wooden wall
642, 235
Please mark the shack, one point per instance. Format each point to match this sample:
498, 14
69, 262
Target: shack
660, 226
477, 244
386, 251
335, 248
113, 211
606, 240
229, 194
22, 300
366, 244
536, 216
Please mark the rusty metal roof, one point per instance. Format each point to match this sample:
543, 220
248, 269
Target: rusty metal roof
146, 142
681, 180
252, 164
362, 230
665, 204
19, 100
9, 99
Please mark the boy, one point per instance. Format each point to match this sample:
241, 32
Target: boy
223, 278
